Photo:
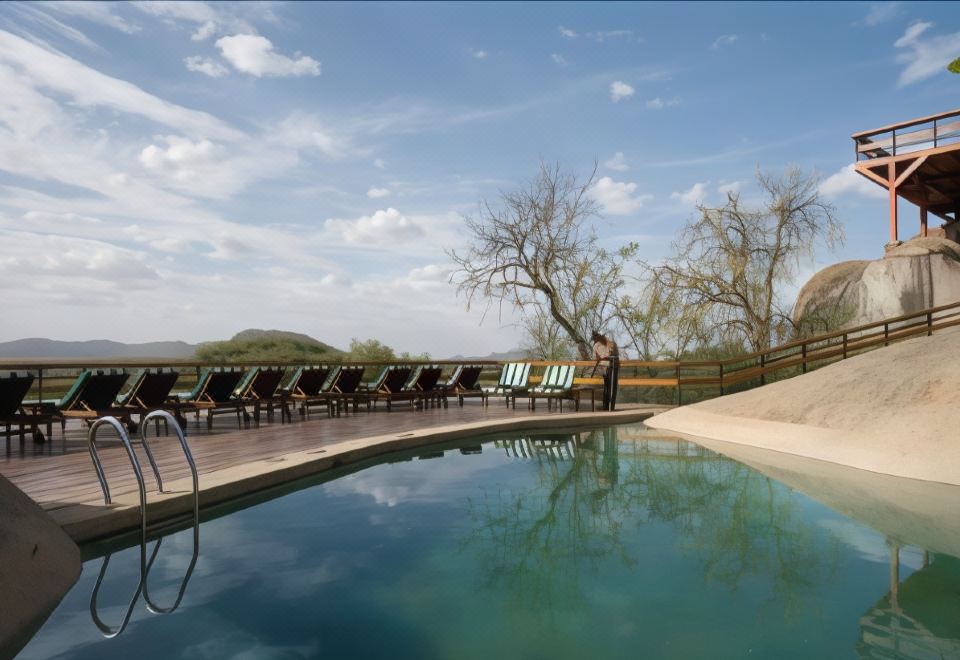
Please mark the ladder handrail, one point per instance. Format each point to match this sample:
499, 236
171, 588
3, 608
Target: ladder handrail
106, 630
134, 462
151, 606
171, 420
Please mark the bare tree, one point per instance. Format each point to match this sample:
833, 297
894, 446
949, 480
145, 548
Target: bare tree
537, 251
732, 264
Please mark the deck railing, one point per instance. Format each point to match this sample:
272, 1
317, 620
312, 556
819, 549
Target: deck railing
662, 381
917, 134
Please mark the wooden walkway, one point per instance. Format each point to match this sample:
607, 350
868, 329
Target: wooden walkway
59, 473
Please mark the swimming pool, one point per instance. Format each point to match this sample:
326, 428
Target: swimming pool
606, 543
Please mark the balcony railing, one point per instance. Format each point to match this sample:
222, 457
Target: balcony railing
907, 137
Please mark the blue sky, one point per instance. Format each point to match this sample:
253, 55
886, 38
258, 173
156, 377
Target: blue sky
187, 170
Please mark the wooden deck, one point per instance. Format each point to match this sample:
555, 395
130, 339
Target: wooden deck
59, 473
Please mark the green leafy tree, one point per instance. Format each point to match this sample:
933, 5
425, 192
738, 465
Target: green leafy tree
372, 350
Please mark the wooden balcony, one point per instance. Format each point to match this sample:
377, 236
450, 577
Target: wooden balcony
918, 160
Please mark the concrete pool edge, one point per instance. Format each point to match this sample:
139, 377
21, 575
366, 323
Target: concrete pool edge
85, 522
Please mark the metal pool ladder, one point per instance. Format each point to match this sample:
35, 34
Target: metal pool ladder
135, 463
145, 566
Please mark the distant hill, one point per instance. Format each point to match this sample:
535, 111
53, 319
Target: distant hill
507, 356
273, 345
97, 348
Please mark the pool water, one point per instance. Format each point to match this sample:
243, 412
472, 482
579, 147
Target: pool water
599, 544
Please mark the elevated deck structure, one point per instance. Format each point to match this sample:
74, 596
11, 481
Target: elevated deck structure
918, 160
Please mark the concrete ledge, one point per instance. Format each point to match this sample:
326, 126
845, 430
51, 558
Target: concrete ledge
85, 522
844, 447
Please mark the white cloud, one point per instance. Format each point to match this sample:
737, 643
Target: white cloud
659, 103
90, 88
618, 163
205, 65
881, 12
479, 54
307, 131
102, 13
197, 12
30, 12
620, 90
377, 193
387, 227
847, 181
559, 59
205, 31
599, 36
253, 54
925, 57
723, 40
616, 197
728, 188
693, 196
910, 36
181, 155
379, 163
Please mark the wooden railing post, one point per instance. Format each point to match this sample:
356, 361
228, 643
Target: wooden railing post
679, 392
844, 345
40, 385
763, 375
886, 334
721, 379
929, 323
803, 355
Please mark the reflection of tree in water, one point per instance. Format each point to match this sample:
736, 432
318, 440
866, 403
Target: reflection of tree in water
537, 544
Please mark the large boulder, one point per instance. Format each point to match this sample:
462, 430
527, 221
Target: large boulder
920, 273
38, 565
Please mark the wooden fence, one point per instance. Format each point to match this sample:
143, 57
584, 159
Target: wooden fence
657, 381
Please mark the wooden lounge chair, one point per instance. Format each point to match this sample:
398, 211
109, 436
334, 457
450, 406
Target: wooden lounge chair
214, 393
149, 392
557, 384
513, 381
346, 388
15, 413
464, 382
94, 394
389, 383
420, 388
309, 386
261, 387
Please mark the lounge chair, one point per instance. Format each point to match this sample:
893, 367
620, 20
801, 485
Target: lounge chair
94, 394
149, 392
260, 386
309, 386
389, 384
513, 381
213, 393
464, 382
420, 388
346, 388
15, 413
557, 383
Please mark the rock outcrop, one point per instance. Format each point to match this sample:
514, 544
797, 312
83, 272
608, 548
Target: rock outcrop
920, 273
40, 564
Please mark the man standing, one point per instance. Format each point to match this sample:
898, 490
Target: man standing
605, 350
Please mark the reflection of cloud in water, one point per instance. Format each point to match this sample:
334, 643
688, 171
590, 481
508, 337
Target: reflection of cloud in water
870, 545
400, 483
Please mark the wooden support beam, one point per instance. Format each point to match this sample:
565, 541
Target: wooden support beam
873, 176
910, 170
892, 185
923, 221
